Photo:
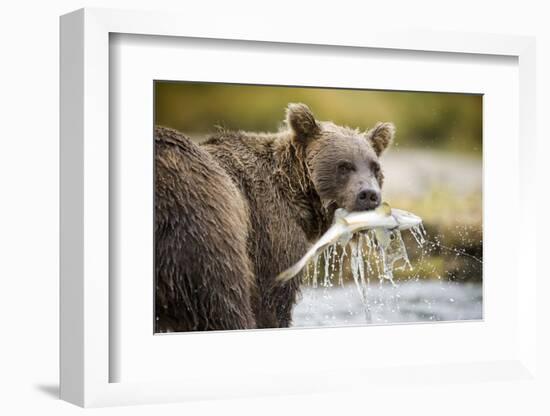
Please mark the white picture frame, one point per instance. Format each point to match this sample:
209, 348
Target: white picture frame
85, 353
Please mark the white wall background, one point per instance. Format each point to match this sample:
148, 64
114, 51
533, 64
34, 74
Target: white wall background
29, 204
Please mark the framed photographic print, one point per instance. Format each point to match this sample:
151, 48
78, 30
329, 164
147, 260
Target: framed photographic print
268, 226
297, 180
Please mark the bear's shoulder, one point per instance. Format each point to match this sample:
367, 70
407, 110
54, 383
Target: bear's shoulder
166, 135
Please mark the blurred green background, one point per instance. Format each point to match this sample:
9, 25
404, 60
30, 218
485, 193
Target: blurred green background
433, 169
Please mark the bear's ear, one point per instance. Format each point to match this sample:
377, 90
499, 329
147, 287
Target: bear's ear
302, 122
381, 136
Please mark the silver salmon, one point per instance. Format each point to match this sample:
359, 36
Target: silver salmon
346, 224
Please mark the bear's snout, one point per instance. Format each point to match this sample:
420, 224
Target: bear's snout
367, 199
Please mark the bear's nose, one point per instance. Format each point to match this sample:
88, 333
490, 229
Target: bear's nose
367, 199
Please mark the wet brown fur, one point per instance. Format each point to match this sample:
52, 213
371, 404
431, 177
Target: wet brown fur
233, 212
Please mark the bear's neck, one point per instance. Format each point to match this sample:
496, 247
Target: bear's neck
272, 160
292, 177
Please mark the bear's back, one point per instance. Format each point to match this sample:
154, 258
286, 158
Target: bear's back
201, 229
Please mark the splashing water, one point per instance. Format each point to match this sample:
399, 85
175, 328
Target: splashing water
419, 234
374, 256
358, 273
340, 266
390, 252
315, 271
374, 253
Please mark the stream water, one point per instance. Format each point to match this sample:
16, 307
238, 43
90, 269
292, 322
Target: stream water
413, 301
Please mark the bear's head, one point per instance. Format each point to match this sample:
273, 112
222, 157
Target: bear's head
343, 164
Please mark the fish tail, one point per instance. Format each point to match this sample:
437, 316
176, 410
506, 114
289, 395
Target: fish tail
289, 273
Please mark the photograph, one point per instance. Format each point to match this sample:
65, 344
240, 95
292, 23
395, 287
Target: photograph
308, 207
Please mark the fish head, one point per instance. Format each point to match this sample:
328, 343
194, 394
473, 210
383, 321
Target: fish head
405, 219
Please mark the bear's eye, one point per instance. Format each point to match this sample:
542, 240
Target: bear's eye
345, 167
375, 167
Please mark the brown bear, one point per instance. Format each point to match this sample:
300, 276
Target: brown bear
234, 211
